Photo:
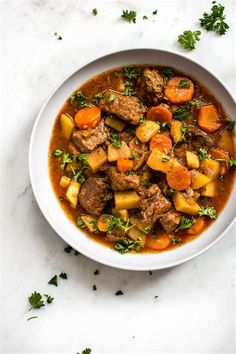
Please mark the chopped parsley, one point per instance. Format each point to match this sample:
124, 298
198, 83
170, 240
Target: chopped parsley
128, 91
165, 159
181, 113
164, 126
79, 99
94, 287
184, 131
188, 39
129, 16
94, 12
127, 245
65, 160
78, 175
184, 83
82, 158
36, 301
168, 72
112, 97
86, 351
154, 12
96, 272
176, 240
232, 163
170, 192
68, 249
230, 125
119, 292
80, 223
215, 20
49, 298
145, 17
202, 153
207, 211
132, 73
115, 139
53, 281
95, 226
186, 223
57, 153
98, 97
142, 121
63, 275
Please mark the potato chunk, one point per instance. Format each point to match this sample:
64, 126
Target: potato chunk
64, 182
159, 161
147, 130
115, 123
126, 200
67, 125
122, 213
176, 131
198, 179
192, 160
185, 204
211, 168
90, 222
72, 193
118, 153
226, 143
135, 233
96, 159
210, 190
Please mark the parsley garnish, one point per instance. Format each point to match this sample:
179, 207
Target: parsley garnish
63, 275
94, 12
94, 287
128, 91
170, 192
82, 158
68, 249
142, 121
112, 97
49, 298
188, 39
202, 153
98, 97
53, 281
78, 175
80, 223
129, 16
82, 100
168, 72
127, 245
30, 318
165, 159
184, 131
185, 223
36, 301
175, 240
65, 160
145, 17
181, 113
232, 163
215, 20
96, 272
95, 226
132, 73
184, 83
207, 211
115, 139
57, 152
119, 292
154, 12
86, 351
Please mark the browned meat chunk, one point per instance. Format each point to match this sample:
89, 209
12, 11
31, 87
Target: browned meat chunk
127, 108
115, 235
180, 153
92, 195
199, 138
119, 181
88, 140
139, 153
151, 83
153, 204
170, 220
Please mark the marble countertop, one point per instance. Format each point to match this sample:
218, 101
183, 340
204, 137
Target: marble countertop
194, 312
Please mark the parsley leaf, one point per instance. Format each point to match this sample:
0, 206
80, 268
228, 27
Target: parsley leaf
215, 20
86, 351
68, 249
232, 163
82, 100
36, 301
145, 17
63, 275
82, 158
94, 12
170, 192
49, 298
184, 131
185, 223
154, 12
181, 113
98, 97
142, 121
127, 245
202, 153
57, 152
65, 160
168, 72
188, 39
78, 175
80, 223
207, 211
129, 16
112, 97
119, 292
115, 139
184, 83
128, 91
132, 73
53, 281
176, 240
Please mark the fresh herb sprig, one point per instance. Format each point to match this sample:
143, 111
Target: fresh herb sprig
202, 153
129, 15
207, 211
186, 223
215, 21
126, 245
188, 39
115, 139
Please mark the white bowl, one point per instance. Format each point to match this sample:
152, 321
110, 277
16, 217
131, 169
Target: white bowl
39, 173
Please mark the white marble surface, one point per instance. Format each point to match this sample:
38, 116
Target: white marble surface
195, 311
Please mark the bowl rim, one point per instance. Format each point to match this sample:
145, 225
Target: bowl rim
30, 157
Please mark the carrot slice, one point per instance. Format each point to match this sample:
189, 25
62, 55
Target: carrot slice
124, 165
178, 178
209, 119
160, 113
88, 117
103, 222
179, 90
162, 143
162, 241
197, 227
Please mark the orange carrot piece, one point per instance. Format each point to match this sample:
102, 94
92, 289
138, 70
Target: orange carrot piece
209, 118
223, 155
197, 227
159, 113
177, 92
178, 178
103, 222
162, 241
124, 165
162, 143
88, 117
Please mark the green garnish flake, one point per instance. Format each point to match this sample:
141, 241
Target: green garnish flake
232, 163
188, 39
181, 113
176, 240
94, 287
132, 73
49, 298
68, 249
115, 139
98, 97
80, 223
165, 159
96, 272
215, 20
170, 192
57, 153
128, 91
82, 158
202, 153
31, 318
119, 293
53, 281
63, 275
82, 100
154, 12
145, 17
186, 223
142, 121
127, 245
86, 351
168, 72
94, 12
112, 97
207, 211
184, 83
129, 15
36, 300
65, 160
184, 131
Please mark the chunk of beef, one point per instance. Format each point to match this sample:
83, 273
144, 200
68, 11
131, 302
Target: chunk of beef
140, 153
88, 140
126, 136
153, 204
180, 153
199, 138
170, 220
119, 181
115, 235
127, 108
150, 85
92, 195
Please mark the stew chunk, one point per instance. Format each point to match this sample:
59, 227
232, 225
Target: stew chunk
119, 181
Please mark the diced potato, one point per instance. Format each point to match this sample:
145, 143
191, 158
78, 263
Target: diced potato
226, 143
90, 222
185, 204
159, 161
96, 159
211, 168
67, 125
126, 200
115, 123
176, 131
72, 193
196, 195
210, 190
192, 160
175, 163
118, 153
198, 179
147, 130
122, 213
135, 233
64, 182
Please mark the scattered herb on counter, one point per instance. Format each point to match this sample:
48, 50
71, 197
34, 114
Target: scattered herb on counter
184, 83
215, 20
202, 153
119, 292
96, 272
186, 223
129, 15
188, 39
94, 12
115, 139
31, 318
150, 272
156, 296
76, 253
59, 38
57, 153
94, 287
207, 211
154, 12
145, 17
53, 281
86, 351
36, 301
68, 249
49, 298
63, 275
